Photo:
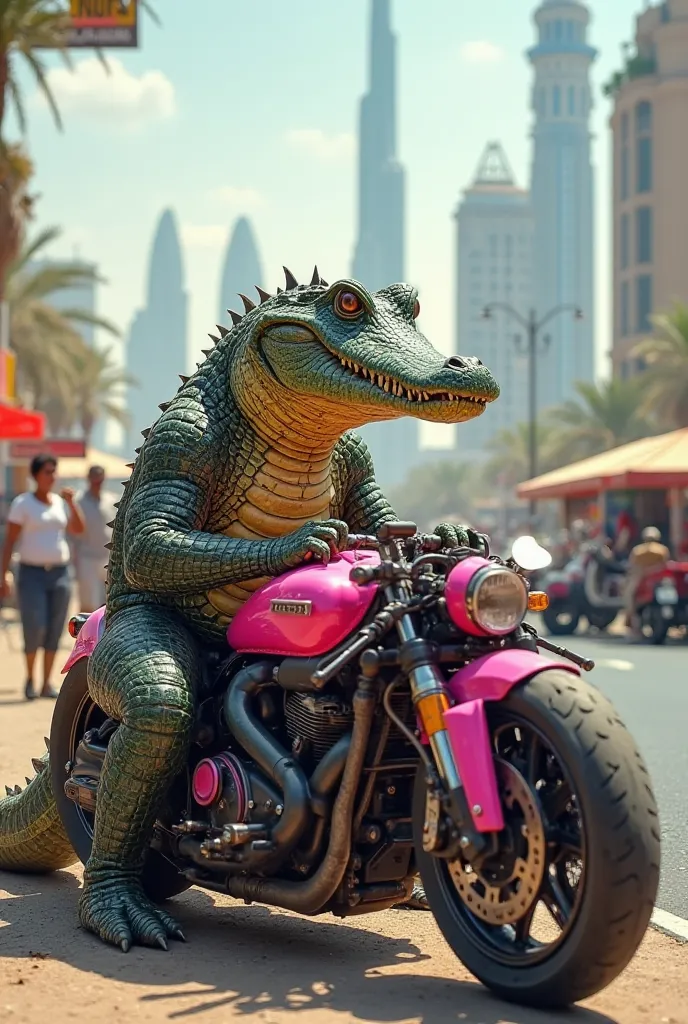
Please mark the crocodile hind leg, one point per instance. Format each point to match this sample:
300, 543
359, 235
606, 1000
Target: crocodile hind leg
32, 838
144, 674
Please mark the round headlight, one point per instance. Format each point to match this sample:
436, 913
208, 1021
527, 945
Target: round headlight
497, 600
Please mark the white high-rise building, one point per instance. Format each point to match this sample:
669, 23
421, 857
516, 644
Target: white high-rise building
494, 265
562, 194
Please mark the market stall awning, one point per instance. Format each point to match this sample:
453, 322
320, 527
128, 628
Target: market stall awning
651, 463
21, 424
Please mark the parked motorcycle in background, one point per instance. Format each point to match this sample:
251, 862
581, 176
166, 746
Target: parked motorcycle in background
389, 714
661, 602
589, 587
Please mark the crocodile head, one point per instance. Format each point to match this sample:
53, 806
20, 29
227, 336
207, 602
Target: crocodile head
344, 356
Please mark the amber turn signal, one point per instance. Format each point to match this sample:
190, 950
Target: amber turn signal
73, 626
537, 601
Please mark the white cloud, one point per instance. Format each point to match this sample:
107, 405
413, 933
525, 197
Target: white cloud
237, 197
204, 236
118, 98
481, 51
318, 144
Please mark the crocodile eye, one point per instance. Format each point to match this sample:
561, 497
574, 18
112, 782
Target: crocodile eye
416, 309
348, 305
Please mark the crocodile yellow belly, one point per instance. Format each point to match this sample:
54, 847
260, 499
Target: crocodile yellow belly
283, 497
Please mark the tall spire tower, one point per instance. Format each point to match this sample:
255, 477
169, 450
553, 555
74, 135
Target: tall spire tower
156, 348
379, 253
562, 193
241, 270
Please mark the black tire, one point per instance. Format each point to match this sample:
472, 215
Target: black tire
161, 880
556, 615
600, 618
659, 627
621, 851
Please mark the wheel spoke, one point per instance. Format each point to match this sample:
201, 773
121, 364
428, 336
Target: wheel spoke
554, 804
534, 758
568, 841
524, 924
556, 901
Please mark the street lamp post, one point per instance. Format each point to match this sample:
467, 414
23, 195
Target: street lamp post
532, 326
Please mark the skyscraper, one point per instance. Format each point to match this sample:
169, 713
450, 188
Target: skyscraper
494, 264
379, 253
157, 345
562, 193
241, 270
650, 142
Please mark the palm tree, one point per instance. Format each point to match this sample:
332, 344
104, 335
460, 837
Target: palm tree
434, 492
604, 416
26, 28
509, 461
665, 379
48, 347
99, 386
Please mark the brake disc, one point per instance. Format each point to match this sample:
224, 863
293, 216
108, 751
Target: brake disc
504, 888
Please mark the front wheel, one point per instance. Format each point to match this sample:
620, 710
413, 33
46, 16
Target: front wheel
75, 714
557, 913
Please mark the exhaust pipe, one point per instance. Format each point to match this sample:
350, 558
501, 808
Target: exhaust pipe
271, 757
310, 897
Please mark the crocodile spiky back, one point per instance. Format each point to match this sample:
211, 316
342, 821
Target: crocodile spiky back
32, 838
193, 392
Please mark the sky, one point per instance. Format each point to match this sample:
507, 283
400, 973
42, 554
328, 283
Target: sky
248, 107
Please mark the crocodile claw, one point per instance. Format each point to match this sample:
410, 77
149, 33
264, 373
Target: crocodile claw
121, 914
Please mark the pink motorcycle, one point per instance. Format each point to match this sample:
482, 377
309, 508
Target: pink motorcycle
387, 715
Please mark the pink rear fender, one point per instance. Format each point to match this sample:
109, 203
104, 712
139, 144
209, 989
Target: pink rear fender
89, 635
489, 678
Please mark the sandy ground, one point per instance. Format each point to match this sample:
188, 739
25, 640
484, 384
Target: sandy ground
251, 963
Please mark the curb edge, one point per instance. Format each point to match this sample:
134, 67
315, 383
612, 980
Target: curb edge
669, 924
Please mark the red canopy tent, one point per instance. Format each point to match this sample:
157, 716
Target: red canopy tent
651, 464
20, 424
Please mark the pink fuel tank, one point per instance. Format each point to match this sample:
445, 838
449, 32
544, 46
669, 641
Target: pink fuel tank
305, 612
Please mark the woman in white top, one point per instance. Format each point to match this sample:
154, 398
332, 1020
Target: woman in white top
38, 523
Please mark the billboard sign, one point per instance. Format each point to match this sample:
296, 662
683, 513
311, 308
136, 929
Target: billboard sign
60, 448
103, 23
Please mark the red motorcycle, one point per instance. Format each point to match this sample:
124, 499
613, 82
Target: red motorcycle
661, 601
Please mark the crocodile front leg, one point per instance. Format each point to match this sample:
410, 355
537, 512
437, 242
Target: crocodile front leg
143, 673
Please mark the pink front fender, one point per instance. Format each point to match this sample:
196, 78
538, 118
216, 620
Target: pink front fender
85, 643
486, 679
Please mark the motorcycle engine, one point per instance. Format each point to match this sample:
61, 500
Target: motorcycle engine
234, 792
315, 723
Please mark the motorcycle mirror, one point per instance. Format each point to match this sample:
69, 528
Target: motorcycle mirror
527, 553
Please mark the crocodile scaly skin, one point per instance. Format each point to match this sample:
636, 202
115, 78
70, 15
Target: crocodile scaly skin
252, 466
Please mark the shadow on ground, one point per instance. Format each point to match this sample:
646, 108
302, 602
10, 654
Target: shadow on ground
251, 960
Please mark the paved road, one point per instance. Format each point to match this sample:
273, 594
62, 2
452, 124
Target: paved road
649, 687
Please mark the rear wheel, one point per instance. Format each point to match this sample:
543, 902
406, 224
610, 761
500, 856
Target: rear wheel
560, 910
561, 617
653, 626
75, 714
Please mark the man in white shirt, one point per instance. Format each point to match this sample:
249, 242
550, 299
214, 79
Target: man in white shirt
90, 553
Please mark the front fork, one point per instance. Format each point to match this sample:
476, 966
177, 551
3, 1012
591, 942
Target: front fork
446, 796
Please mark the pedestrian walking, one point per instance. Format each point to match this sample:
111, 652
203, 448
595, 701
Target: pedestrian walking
38, 523
90, 553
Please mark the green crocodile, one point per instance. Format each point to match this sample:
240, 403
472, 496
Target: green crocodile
251, 468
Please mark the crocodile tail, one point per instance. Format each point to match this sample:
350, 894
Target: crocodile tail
32, 837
